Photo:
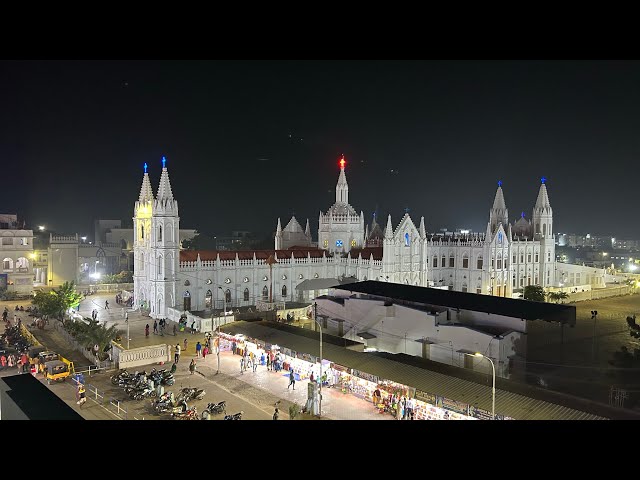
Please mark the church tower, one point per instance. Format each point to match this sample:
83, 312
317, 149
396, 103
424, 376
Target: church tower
498, 213
543, 232
142, 213
341, 228
165, 248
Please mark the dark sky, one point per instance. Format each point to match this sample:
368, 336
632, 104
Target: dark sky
74, 136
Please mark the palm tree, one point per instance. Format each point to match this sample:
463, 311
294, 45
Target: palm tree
562, 296
553, 296
102, 336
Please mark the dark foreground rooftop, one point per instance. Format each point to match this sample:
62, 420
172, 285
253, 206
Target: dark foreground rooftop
508, 307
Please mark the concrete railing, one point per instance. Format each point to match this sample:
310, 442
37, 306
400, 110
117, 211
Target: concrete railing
139, 356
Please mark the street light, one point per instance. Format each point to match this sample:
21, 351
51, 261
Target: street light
41, 228
493, 386
315, 318
225, 314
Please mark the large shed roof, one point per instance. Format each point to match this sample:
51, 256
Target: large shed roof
434, 378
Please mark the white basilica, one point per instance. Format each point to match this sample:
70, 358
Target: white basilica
499, 262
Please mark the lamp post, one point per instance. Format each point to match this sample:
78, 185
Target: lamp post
225, 314
315, 317
493, 385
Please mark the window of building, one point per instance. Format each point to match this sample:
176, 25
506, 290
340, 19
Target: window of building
407, 240
24, 241
528, 258
444, 261
535, 279
227, 296
435, 262
521, 258
7, 241
7, 264
160, 266
499, 265
549, 257
265, 293
479, 263
521, 282
245, 296
478, 290
464, 287
451, 262
207, 299
159, 233
465, 262
284, 291
142, 231
514, 259
536, 257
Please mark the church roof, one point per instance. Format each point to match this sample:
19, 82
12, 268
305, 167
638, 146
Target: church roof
206, 255
164, 190
522, 228
366, 252
341, 209
543, 197
293, 226
498, 201
376, 231
146, 192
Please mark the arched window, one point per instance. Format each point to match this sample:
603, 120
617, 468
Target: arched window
452, 261
169, 233
444, 261
245, 297
407, 240
142, 231
537, 228
265, 293
479, 262
464, 287
7, 264
159, 233
208, 299
465, 262
544, 229
160, 269
284, 291
227, 296
142, 262
435, 262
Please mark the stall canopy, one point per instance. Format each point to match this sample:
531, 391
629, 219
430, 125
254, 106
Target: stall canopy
438, 379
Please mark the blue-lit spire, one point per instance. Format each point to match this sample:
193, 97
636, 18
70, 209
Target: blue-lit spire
522, 214
543, 179
145, 167
499, 183
164, 162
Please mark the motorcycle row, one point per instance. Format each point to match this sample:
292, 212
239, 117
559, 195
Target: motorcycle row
12, 339
140, 385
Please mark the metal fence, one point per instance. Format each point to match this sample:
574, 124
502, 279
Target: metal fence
112, 405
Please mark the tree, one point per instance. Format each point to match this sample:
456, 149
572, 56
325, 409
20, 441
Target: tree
102, 336
534, 292
56, 302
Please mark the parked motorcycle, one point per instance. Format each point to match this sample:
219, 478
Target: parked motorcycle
235, 416
214, 409
190, 414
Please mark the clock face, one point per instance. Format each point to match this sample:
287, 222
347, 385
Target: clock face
338, 243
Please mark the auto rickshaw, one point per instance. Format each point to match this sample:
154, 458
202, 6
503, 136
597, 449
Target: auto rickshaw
56, 370
47, 356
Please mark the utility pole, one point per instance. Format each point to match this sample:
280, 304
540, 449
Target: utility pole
594, 317
315, 317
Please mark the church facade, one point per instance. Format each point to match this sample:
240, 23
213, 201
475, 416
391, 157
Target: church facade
503, 259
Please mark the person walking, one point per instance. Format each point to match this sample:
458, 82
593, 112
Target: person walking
81, 395
292, 379
276, 414
198, 349
146, 330
205, 352
192, 366
24, 359
242, 365
155, 327
185, 344
106, 304
176, 358
3, 361
268, 362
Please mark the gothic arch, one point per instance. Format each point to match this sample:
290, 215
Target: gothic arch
159, 233
284, 291
227, 296
160, 269
208, 299
265, 293
245, 295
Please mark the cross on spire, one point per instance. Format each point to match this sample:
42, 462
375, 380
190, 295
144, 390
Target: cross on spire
145, 167
522, 214
406, 209
499, 183
164, 162
543, 179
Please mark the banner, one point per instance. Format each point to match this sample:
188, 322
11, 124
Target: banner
3, 281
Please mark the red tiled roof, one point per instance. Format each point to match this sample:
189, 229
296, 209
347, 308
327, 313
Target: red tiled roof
192, 255
366, 253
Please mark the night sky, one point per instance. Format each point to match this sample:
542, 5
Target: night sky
247, 142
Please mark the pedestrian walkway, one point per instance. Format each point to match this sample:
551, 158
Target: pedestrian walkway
335, 404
